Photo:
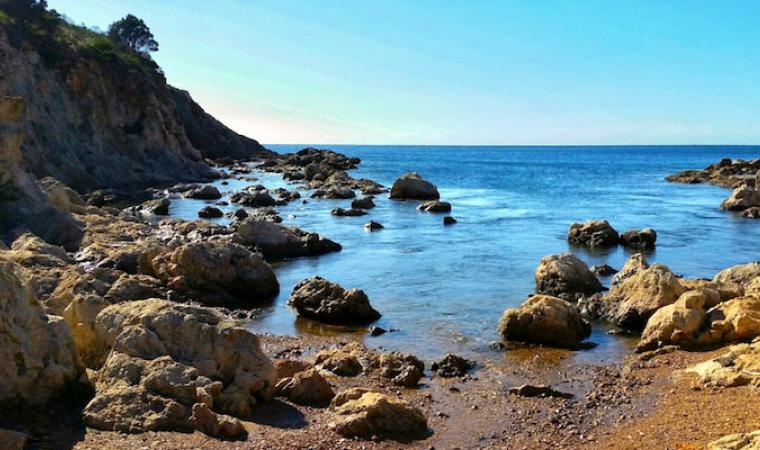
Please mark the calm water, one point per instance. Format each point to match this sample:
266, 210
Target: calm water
444, 288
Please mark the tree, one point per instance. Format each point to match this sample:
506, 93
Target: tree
133, 32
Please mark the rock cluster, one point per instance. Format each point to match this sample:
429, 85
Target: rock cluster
600, 234
725, 173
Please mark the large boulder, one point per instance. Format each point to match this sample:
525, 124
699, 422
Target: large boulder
277, 242
167, 357
435, 206
365, 414
215, 273
38, 352
637, 297
324, 301
735, 320
741, 274
677, 324
594, 233
413, 186
566, 276
741, 198
543, 319
639, 239
205, 192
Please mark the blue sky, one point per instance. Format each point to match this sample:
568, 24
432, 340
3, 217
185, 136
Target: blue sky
461, 72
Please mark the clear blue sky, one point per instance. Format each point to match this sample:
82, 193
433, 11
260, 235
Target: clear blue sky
461, 72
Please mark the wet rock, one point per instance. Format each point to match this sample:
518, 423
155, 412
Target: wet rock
205, 192
739, 441
566, 276
39, 354
334, 193
741, 198
435, 206
321, 300
594, 233
377, 331
278, 242
221, 426
639, 239
210, 212
448, 220
739, 366
543, 319
363, 203
340, 212
373, 226
528, 390
413, 186
452, 366
676, 324
401, 368
215, 273
253, 198
641, 294
307, 388
165, 358
603, 270
240, 214
364, 414
752, 213
157, 207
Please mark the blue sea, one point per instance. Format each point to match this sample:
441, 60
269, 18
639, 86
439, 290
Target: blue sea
443, 288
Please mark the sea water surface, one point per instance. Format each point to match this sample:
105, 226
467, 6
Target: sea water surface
443, 288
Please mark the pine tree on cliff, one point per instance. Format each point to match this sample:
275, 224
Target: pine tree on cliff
133, 32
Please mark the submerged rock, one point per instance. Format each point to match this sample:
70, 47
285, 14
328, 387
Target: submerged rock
413, 186
435, 206
365, 414
448, 220
594, 233
373, 226
543, 319
566, 276
321, 300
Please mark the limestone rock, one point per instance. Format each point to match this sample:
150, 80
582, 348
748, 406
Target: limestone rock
452, 366
286, 368
735, 320
635, 263
307, 388
566, 276
222, 426
739, 441
741, 274
80, 314
346, 361
641, 294
741, 198
363, 414
676, 324
543, 319
413, 186
594, 233
324, 301
739, 366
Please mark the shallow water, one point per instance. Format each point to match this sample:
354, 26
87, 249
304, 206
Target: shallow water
444, 288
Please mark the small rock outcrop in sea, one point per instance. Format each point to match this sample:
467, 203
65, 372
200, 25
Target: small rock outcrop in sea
205, 192
165, 359
352, 212
38, 350
324, 301
413, 186
210, 212
639, 239
543, 319
254, 197
594, 233
360, 413
566, 276
452, 366
741, 198
448, 220
373, 226
277, 242
726, 173
307, 388
363, 203
435, 206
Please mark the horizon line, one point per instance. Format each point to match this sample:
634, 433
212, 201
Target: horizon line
307, 144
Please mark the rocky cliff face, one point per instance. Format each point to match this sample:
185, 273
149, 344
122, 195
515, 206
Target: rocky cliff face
93, 122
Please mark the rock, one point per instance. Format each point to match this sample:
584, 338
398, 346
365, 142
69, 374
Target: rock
39, 352
62, 196
401, 368
741, 198
448, 220
452, 366
41, 252
639, 239
594, 233
435, 206
222, 426
676, 324
157, 207
334, 193
603, 270
205, 192
363, 414
373, 226
210, 212
741, 274
528, 390
286, 368
739, 441
240, 214
543, 319
306, 388
12, 440
725, 290
134, 287
215, 273
363, 203
166, 357
340, 212
80, 314
736, 320
635, 263
565, 275
253, 198
641, 294
345, 361
377, 331
278, 242
321, 300
752, 213
412, 186
739, 366
726, 173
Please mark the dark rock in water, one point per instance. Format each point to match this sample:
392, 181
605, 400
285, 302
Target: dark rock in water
413, 186
222, 203
435, 206
639, 239
209, 212
334, 193
225, 183
452, 366
278, 242
448, 220
363, 203
377, 331
157, 207
528, 390
206, 192
752, 213
353, 212
373, 226
603, 270
594, 233
240, 214
321, 300
285, 196
254, 199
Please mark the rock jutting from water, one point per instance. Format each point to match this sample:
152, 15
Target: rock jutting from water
324, 301
412, 186
543, 319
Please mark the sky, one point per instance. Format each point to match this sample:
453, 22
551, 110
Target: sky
438, 72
